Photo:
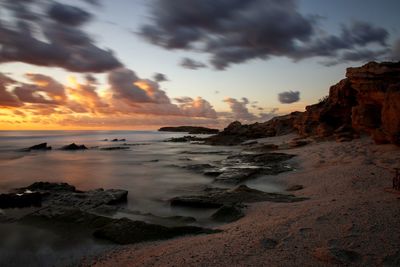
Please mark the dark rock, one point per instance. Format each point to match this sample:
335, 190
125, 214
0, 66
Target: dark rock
336, 255
125, 231
298, 143
47, 187
237, 175
20, 200
42, 147
189, 129
184, 139
73, 147
269, 243
218, 197
118, 140
227, 214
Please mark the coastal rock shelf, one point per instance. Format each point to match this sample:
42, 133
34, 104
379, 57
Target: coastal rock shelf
62, 205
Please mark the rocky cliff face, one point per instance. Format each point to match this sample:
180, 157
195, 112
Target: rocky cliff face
366, 101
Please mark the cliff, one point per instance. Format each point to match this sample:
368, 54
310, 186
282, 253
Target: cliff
367, 101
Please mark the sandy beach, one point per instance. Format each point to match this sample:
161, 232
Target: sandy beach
349, 219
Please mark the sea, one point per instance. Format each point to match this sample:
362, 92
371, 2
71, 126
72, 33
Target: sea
151, 170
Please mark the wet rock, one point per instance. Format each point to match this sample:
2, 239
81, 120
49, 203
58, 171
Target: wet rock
50, 187
118, 140
41, 147
269, 243
298, 143
295, 187
73, 147
125, 231
189, 129
336, 255
218, 197
237, 175
228, 214
20, 200
184, 139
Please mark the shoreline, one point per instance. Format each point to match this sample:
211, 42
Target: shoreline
348, 207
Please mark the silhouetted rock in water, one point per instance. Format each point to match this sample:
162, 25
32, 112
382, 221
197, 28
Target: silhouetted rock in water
335, 255
218, 197
20, 200
367, 101
189, 129
115, 148
184, 139
118, 140
73, 147
125, 231
105, 140
228, 214
49, 187
42, 146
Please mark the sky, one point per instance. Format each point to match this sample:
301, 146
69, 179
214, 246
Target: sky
142, 64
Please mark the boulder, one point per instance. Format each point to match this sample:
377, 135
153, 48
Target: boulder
73, 147
42, 147
20, 200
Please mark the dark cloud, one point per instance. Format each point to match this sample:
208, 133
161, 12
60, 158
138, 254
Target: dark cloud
159, 77
191, 64
42, 90
91, 79
236, 31
122, 82
69, 15
289, 97
7, 99
66, 45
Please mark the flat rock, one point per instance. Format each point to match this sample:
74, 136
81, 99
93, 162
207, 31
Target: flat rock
20, 200
218, 197
115, 148
228, 214
125, 231
184, 139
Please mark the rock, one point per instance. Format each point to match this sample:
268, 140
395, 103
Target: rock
42, 147
73, 147
189, 129
218, 197
227, 214
125, 231
336, 255
184, 139
118, 140
47, 187
295, 187
269, 243
20, 200
237, 175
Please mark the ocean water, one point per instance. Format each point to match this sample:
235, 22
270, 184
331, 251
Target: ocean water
151, 170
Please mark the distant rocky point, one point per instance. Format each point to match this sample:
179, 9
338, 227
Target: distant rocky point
190, 130
366, 102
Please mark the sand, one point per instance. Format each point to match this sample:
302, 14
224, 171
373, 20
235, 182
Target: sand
349, 220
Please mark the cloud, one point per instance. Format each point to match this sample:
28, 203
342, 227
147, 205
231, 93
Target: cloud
191, 64
239, 109
396, 50
65, 43
289, 97
67, 14
7, 99
159, 77
122, 82
197, 107
234, 31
